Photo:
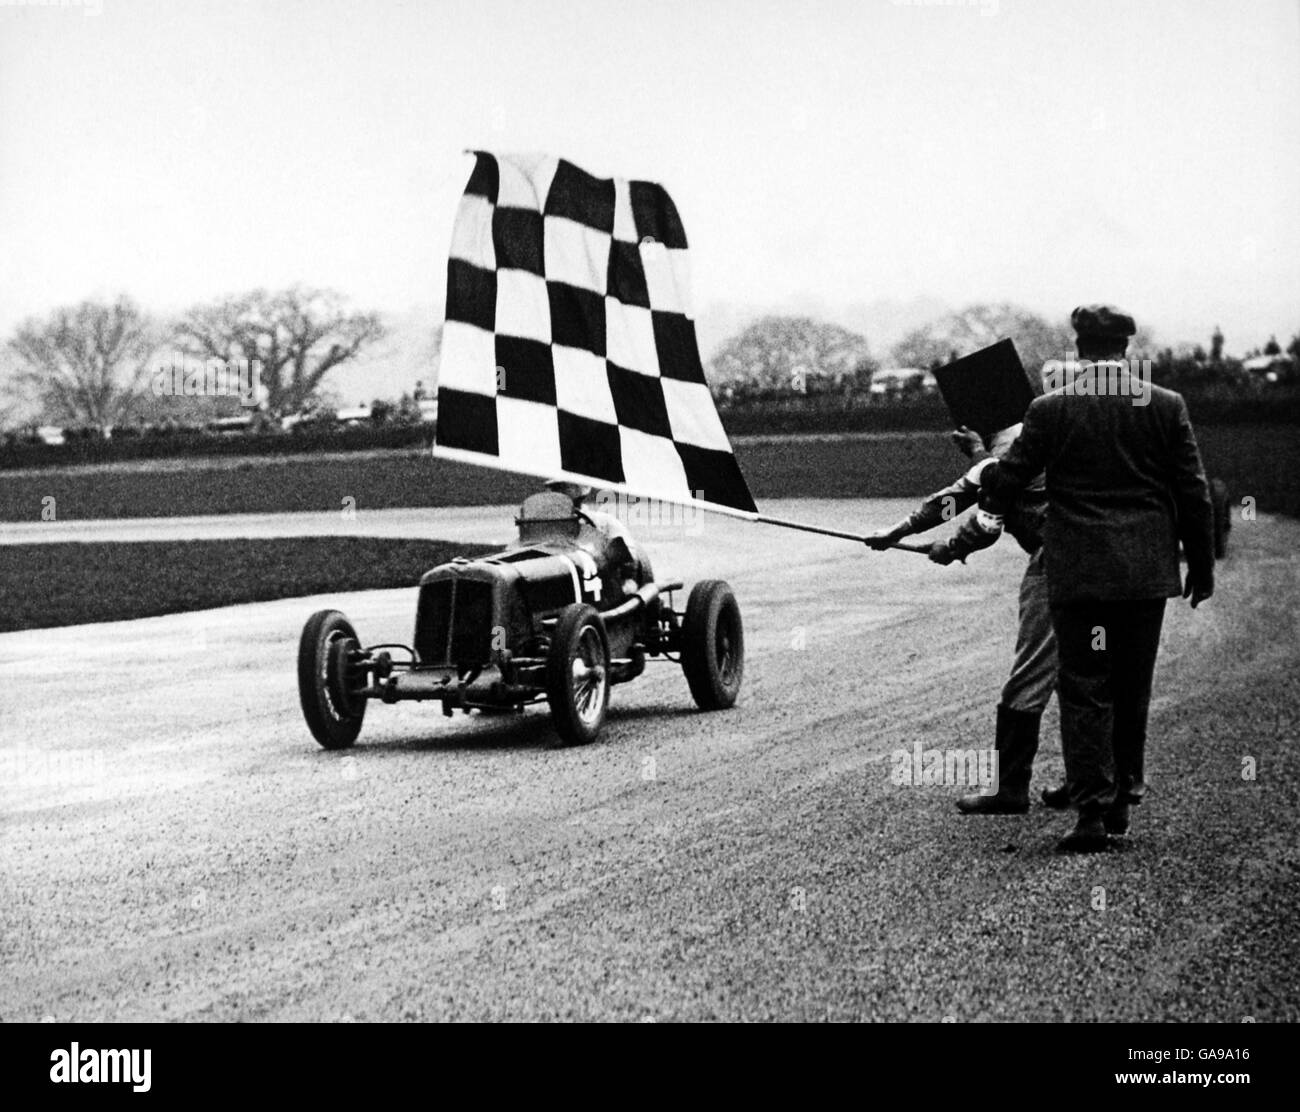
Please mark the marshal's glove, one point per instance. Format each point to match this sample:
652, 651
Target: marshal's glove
882, 539
968, 441
941, 553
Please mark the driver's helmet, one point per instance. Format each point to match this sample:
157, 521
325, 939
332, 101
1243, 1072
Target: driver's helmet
579, 492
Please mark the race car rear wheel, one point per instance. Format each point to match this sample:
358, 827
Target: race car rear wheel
713, 645
577, 674
325, 683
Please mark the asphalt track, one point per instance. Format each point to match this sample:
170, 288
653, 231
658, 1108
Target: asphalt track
175, 846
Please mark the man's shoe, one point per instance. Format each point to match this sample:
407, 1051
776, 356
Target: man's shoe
1015, 743
976, 803
1057, 798
1088, 836
1117, 818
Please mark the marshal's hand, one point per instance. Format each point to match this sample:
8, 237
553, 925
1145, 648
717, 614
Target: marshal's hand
940, 553
882, 539
1199, 588
968, 441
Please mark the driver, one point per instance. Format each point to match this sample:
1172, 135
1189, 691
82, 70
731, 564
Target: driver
617, 555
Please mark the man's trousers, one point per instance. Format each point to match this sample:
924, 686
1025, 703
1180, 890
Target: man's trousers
1107, 656
1033, 672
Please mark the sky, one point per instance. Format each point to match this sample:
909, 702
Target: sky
1046, 152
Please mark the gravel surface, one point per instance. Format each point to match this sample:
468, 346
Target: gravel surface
175, 845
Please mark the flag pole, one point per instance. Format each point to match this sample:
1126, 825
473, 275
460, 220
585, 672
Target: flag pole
479, 459
835, 533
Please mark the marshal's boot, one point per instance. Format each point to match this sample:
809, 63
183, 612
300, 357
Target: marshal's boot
1057, 798
1016, 744
1116, 817
1088, 835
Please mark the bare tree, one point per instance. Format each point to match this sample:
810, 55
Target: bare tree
8, 415
781, 353
978, 326
297, 336
86, 364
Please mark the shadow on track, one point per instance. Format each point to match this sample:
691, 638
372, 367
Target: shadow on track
531, 729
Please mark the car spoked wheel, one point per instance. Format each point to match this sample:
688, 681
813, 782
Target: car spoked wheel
713, 645
329, 680
590, 677
577, 674
726, 647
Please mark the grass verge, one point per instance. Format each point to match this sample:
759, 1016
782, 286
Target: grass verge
1259, 461
47, 585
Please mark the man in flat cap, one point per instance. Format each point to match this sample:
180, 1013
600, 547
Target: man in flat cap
1124, 486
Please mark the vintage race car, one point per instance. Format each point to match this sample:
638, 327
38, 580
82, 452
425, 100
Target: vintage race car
563, 614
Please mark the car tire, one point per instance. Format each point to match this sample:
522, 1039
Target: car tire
713, 645
323, 650
1222, 516
577, 674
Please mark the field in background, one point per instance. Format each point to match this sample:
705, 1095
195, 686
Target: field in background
789, 415
1259, 461
46, 585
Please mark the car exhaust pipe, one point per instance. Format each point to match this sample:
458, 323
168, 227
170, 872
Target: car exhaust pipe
643, 597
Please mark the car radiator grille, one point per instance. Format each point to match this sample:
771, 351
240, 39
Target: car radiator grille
454, 622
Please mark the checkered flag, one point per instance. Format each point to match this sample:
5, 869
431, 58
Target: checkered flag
569, 350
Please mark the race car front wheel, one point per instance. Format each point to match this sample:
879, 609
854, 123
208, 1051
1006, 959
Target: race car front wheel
577, 674
326, 684
713, 645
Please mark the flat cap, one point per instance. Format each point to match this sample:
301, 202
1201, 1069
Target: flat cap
1102, 320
